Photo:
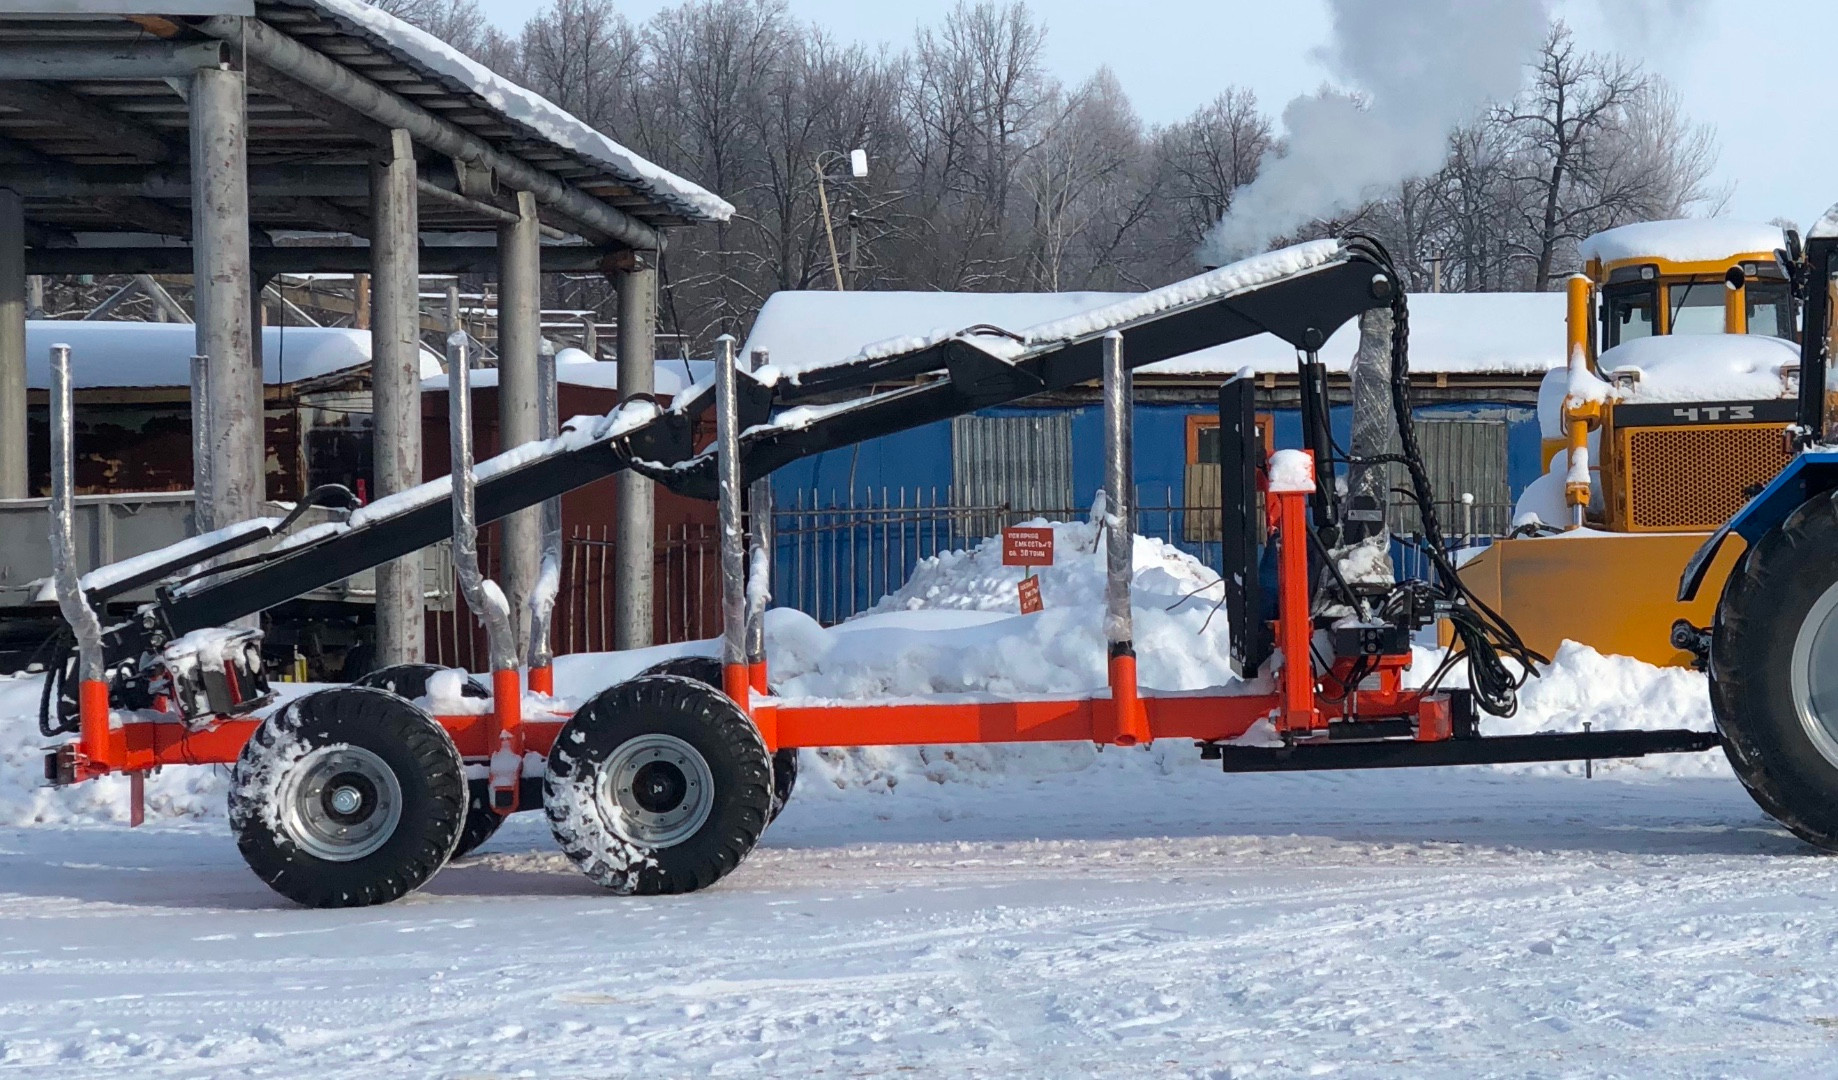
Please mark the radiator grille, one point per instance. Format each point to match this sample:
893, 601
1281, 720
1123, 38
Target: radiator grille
1696, 477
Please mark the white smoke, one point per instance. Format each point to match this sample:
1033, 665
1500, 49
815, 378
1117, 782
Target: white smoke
1421, 69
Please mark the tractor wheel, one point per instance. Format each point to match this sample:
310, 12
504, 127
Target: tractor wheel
707, 669
1774, 672
658, 785
347, 797
411, 681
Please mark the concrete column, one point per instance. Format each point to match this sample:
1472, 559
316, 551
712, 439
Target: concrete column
635, 531
394, 289
13, 442
519, 417
221, 285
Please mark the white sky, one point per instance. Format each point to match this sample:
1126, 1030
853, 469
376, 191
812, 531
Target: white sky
1739, 67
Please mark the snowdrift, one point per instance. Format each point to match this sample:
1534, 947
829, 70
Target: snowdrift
954, 628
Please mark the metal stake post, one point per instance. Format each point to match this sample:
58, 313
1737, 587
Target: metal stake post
734, 678
483, 596
201, 443
1131, 721
92, 695
541, 655
759, 565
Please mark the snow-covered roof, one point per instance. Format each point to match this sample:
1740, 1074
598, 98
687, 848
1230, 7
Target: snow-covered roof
522, 107
1478, 333
1702, 367
1686, 240
159, 354
574, 367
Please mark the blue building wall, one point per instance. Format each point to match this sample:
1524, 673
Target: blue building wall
921, 458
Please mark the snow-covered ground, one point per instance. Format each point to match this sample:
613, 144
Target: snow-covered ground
1041, 911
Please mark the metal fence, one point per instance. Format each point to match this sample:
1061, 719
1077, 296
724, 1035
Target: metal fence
837, 554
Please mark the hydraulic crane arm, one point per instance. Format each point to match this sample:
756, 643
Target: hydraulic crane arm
1301, 295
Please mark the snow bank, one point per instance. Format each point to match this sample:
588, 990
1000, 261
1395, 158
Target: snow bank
575, 368
1685, 240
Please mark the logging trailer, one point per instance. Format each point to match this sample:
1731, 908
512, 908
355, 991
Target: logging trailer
357, 795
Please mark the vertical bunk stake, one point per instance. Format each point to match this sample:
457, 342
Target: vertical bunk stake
1130, 722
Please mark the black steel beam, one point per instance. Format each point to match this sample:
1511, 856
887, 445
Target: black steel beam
1494, 750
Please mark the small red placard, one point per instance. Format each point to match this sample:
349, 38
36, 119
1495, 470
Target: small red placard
1027, 546
1030, 595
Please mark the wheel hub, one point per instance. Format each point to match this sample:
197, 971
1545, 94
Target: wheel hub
340, 803
1814, 672
656, 790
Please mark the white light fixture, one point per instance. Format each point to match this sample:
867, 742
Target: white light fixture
858, 163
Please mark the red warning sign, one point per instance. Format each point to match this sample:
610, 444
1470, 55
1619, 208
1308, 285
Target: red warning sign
1030, 595
1027, 546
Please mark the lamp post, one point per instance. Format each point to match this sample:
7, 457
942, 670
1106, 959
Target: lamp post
858, 168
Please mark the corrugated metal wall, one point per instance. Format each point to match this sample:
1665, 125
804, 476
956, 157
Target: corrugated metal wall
1463, 456
1021, 462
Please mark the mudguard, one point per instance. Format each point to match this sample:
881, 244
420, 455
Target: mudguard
1813, 472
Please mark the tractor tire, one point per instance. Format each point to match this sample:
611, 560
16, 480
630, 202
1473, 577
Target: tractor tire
348, 797
411, 681
707, 669
1774, 672
658, 785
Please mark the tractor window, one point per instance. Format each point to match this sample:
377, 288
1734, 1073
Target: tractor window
1770, 309
1628, 313
1697, 307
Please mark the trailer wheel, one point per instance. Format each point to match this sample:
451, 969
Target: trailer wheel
347, 797
658, 785
411, 681
1774, 672
707, 669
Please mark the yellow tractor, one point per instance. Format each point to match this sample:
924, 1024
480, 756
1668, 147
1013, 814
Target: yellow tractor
1670, 413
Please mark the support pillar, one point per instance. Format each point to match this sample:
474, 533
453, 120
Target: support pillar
635, 531
13, 444
395, 360
519, 418
221, 286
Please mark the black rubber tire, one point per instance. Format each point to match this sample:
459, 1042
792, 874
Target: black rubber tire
708, 722
481, 820
707, 669
1766, 600
411, 681
417, 751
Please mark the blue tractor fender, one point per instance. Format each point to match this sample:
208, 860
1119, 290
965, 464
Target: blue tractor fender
1812, 472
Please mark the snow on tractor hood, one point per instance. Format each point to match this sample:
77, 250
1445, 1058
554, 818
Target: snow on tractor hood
1706, 367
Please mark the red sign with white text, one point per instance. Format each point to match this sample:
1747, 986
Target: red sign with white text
1030, 595
1027, 546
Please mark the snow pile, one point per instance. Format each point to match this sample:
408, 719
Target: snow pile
575, 368
1686, 240
1292, 471
159, 354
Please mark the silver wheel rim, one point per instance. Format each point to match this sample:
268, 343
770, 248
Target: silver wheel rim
656, 790
1815, 675
340, 803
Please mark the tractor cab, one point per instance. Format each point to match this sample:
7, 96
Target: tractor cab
1661, 278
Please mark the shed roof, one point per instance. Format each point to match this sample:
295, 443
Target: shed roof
1453, 333
118, 354
308, 155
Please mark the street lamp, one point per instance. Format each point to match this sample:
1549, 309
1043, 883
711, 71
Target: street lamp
858, 168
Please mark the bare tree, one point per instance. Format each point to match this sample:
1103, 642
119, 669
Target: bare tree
584, 56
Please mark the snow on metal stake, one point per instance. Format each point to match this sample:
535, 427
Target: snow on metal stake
541, 655
734, 678
201, 443
1132, 725
482, 594
759, 564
